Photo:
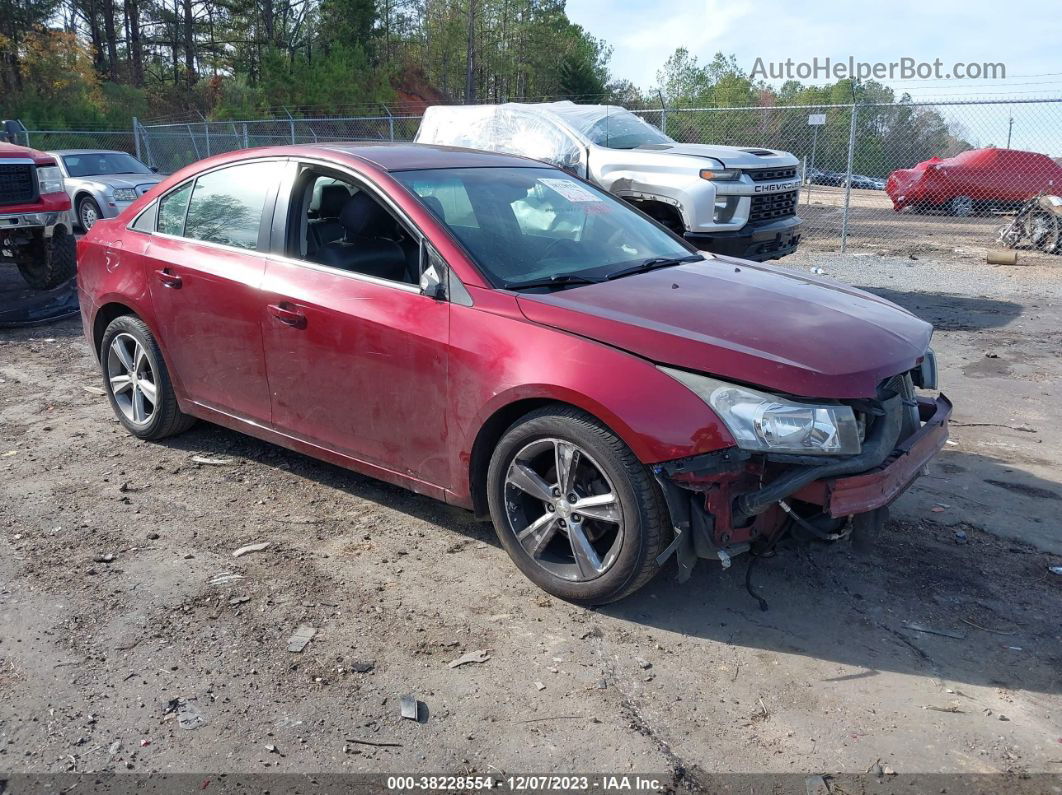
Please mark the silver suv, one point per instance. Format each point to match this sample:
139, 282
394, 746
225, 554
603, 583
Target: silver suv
731, 200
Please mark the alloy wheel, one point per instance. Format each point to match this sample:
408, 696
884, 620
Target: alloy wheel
131, 379
89, 214
563, 510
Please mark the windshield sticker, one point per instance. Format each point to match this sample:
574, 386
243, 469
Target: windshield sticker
572, 191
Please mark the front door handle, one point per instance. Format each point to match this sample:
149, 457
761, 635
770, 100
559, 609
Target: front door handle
169, 279
288, 315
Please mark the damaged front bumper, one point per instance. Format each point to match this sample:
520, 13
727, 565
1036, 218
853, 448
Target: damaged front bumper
723, 502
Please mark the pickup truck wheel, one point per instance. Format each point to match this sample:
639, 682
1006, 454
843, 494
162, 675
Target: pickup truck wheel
137, 382
577, 512
57, 265
88, 212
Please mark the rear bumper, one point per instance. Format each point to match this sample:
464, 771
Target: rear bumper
868, 491
753, 242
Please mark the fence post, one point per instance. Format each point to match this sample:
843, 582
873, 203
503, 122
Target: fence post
206, 135
663, 113
191, 137
848, 177
246, 139
291, 125
136, 139
390, 122
147, 142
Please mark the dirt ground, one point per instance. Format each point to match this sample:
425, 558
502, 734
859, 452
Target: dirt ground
874, 226
132, 639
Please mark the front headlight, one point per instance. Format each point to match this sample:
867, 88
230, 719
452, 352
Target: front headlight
767, 423
124, 195
721, 174
49, 179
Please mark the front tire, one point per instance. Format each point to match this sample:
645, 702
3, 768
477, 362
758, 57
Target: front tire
137, 382
88, 212
53, 261
577, 512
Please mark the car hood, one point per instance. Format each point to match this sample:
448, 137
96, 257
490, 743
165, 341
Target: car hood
745, 322
729, 156
121, 180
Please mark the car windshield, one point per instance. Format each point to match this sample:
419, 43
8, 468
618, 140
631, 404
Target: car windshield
614, 128
90, 164
525, 225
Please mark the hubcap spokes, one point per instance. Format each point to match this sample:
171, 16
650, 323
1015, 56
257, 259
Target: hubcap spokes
563, 510
131, 379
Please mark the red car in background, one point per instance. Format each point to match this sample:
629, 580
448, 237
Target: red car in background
498, 334
975, 179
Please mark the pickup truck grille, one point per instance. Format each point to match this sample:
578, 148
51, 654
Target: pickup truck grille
769, 174
772, 206
17, 183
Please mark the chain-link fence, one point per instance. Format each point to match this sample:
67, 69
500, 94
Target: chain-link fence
51, 140
894, 178
171, 146
904, 177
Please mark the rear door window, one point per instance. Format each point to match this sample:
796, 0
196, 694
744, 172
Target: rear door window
226, 205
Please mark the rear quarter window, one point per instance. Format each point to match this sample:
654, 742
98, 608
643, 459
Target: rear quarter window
172, 209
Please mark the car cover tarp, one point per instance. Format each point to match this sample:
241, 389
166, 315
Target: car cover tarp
511, 127
21, 305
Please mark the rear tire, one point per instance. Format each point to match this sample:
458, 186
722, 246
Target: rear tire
961, 206
589, 558
145, 403
55, 264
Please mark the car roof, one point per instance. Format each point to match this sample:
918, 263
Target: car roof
415, 157
87, 152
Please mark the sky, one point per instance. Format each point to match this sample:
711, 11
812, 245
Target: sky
1025, 36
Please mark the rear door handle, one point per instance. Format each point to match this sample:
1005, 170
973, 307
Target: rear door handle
288, 315
169, 279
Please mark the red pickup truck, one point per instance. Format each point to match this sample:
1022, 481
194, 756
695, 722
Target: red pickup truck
36, 232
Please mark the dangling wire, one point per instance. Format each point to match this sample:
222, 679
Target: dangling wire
766, 552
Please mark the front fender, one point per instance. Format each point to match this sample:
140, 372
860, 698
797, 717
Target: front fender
692, 196
670, 178
497, 361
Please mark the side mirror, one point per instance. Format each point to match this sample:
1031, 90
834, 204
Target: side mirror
431, 283
154, 169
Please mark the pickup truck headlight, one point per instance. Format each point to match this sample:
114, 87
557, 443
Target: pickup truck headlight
124, 195
721, 174
49, 179
771, 424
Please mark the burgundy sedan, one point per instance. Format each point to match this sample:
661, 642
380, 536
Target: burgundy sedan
498, 334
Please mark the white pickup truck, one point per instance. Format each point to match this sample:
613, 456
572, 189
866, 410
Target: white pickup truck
740, 201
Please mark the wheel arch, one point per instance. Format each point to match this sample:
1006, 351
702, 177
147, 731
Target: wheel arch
83, 193
105, 315
667, 214
501, 419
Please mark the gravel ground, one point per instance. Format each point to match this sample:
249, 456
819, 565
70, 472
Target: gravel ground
134, 640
